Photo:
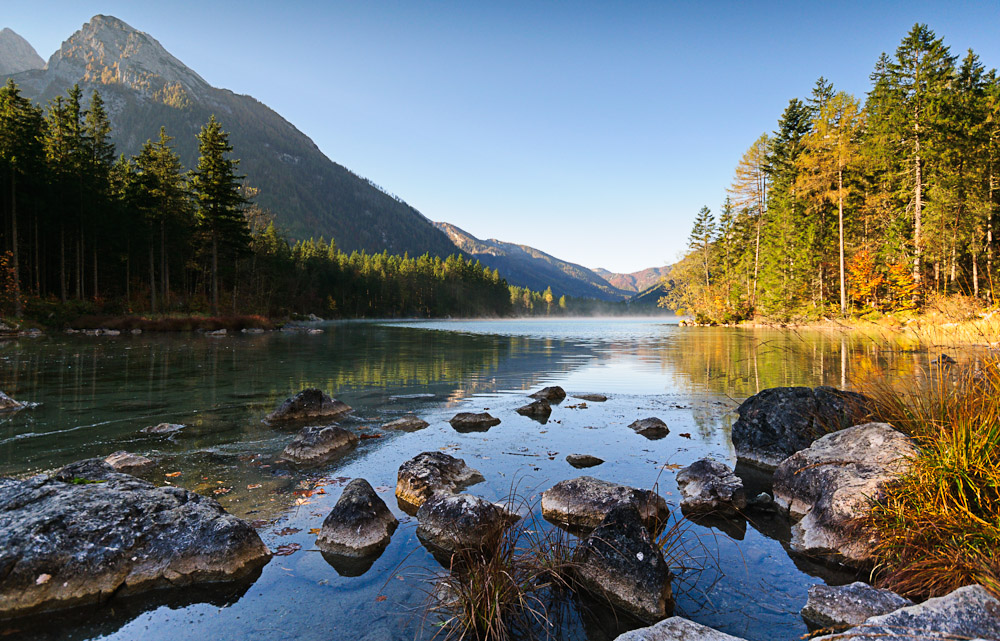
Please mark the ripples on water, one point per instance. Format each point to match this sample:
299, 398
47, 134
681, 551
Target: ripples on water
96, 393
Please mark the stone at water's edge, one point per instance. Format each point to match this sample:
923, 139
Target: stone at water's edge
455, 522
538, 410
849, 605
710, 486
163, 428
123, 461
406, 424
780, 421
583, 460
7, 404
967, 613
359, 524
88, 532
316, 444
553, 394
676, 629
584, 502
593, 398
307, 404
621, 561
472, 422
652, 428
431, 472
832, 483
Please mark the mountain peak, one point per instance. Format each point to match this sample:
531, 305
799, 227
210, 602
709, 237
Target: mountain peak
17, 54
109, 51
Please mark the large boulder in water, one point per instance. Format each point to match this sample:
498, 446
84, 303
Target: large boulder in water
708, 486
652, 428
621, 562
430, 473
849, 605
308, 404
583, 502
473, 422
553, 394
833, 482
359, 524
315, 444
87, 532
780, 421
453, 522
676, 629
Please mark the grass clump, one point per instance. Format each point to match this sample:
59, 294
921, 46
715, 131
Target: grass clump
938, 527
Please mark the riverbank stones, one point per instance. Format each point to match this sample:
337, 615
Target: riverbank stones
429, 473
310, 403
583, 502
315, 444
708, 486
359, 525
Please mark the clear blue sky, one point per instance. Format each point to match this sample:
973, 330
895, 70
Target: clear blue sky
592, 131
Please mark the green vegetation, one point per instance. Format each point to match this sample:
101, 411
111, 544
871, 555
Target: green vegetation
863, 209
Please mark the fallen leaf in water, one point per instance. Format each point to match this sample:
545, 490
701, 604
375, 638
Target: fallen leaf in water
172, 475
671, 466
380, 598
258, 523
222, 490
382, 488
367, 436
43, 579
253, 486
288, 531
314, 530
288, 548
302, 501
685, 435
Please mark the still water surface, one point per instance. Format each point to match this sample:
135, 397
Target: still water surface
95, 393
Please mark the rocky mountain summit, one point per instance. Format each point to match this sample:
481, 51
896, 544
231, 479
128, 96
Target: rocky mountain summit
16, 54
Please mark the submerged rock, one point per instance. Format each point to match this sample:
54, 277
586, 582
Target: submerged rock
780, 421
583, 502
833, 482
7, 404
849, 605
710, 486
123, 461
87, 532
676, 629
967, 613
453, 522
407, 423
472, 422
315, 444
429, 473
593, 398
163, 428
553, 394
621, 561
538, 410
359, 525
583, 460
307, 404
652, 428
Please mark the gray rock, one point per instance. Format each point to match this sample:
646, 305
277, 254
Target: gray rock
453, 522
967, 613
593, 398
308, 404
621, 562
87, 532
943, 359
7, 404
554, 394
359, 525
123, 461
676, 629
583, 460
429, 473
710, 486
849, 605
780, 421
217, 332
652, 428
538, 410
163, 428
583, 502
407, 423
16, 54
472, 422
316, 444
833, 482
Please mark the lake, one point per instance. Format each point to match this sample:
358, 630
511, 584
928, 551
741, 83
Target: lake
96, 393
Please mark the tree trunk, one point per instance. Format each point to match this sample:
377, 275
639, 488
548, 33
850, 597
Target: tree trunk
215, 275
152, 279
840, 225
62, 263
13, 235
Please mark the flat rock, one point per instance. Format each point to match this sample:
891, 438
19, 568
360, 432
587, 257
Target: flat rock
553, 394
652, 428
780, 421
359, 525
621, 562
832, 483
676, 629
849, 605
473, 422
308, 404
453, 522
967, 613
583, 460
538, 410
123, 461
96, 533
163, 428
7, 404
593, 398
583, 502
408, 423
316, 444
429, 473
708, 486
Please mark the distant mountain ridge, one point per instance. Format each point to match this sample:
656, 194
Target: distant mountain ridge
636, 282
144, 87
529, 267
17, 54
